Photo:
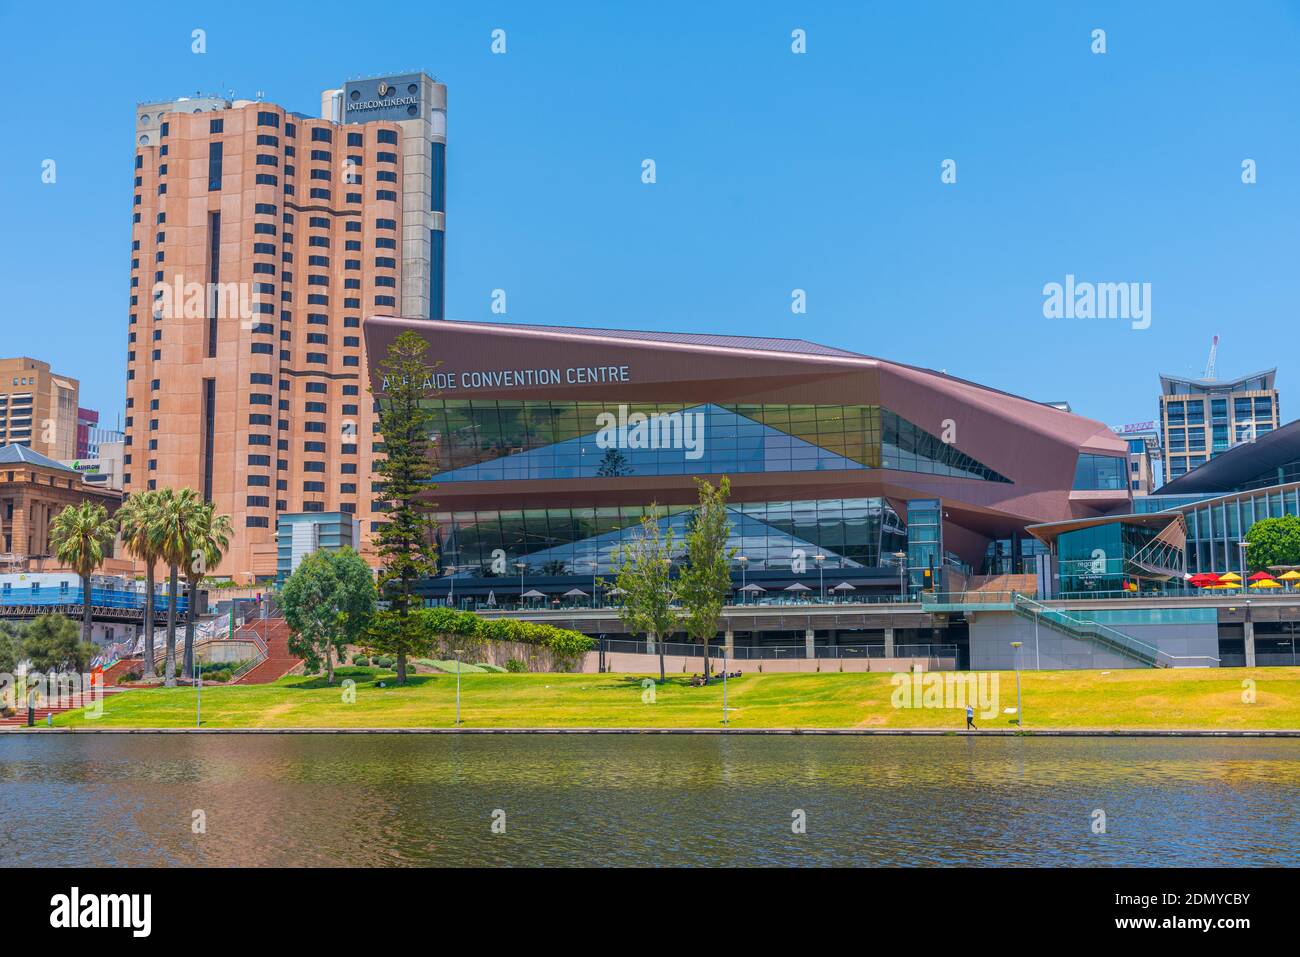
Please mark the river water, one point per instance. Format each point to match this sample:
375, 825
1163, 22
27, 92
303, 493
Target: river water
655, 800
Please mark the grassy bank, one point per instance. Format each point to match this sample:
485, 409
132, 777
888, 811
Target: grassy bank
1120, 700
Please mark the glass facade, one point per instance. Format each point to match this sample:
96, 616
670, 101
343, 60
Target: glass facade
851, 533
502, 440
1103, 472
1095, 559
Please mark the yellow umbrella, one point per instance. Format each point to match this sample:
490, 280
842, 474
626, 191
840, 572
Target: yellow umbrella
1290, 576
1229, 577
1265, 583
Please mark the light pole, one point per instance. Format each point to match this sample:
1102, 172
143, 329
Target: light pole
902, 567
1242, 546
821, 576
744, 563
458, 654
1020, 717
595, 568
521, 566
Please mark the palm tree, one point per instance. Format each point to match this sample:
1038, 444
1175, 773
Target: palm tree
82, 536
169, 530
209, 538
134, 519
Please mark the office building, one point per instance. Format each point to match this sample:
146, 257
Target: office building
38, 408
1203, 418
1143, 455
261, 238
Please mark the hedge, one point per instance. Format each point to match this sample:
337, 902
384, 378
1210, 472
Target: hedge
563, 644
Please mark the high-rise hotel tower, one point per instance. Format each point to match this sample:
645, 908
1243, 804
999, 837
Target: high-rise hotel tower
260, 239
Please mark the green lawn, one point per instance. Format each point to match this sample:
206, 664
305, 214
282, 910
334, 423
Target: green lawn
1165, 699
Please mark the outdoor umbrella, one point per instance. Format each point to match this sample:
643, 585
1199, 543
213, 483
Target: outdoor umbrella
843, 586
752, 587
1260, 576
1290, 576
533, 593
797, 586
575, 593
1265, 583
616, 591
1229, 577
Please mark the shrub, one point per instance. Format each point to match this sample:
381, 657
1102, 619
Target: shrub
384, 662
361, 660
515, 666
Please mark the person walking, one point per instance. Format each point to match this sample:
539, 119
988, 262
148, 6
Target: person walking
970, 718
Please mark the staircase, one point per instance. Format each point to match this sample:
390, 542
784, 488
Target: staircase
1024, 584
42, 713
279, 660
1095, 632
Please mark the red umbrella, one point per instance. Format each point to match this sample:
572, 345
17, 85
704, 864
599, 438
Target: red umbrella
1260, 577
1203, 579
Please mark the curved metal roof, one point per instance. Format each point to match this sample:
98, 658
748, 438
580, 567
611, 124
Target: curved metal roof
1228, 471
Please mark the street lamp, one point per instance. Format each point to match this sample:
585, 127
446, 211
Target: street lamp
744, 563
458, 652
1243, 545
1020, 718
821, 576
521, 566
902, 567
595, 567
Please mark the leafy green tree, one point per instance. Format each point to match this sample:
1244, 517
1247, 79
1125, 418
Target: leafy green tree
209, 538
171, 530
405, 540
328, 603
1274, 541
705, 580
53, 643
11, 646
643, 566
134, 520
82, 537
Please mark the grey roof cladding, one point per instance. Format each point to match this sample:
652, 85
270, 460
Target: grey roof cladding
1241, 464
21, 454
757, 343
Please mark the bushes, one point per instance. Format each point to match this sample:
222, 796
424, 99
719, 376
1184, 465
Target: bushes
467, 631
361, 660
515, 666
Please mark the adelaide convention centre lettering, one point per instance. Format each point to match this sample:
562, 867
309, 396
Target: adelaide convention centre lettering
523, 378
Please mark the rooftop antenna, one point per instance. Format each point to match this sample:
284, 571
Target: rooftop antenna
1209, 362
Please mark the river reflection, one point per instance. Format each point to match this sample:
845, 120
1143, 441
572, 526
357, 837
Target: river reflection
645, 800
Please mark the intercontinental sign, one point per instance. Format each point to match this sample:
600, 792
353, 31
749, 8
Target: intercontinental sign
522, 378
362, 105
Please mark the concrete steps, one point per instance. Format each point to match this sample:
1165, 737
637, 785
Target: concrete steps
279, 659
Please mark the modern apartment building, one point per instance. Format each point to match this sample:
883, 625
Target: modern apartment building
261, 237
1203, 418
38, 408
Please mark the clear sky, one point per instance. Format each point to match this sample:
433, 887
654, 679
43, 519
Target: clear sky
775, 171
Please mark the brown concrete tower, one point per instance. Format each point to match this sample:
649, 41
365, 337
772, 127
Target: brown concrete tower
260, 239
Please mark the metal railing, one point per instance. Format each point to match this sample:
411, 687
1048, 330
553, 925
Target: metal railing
776, 652
1095, 631
262, 654
99, 597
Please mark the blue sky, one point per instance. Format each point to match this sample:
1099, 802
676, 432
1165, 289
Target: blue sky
775, 171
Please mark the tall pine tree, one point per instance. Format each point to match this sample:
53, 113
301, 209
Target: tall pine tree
405, 540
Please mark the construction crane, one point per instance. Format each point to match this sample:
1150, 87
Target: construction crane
1209, 362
